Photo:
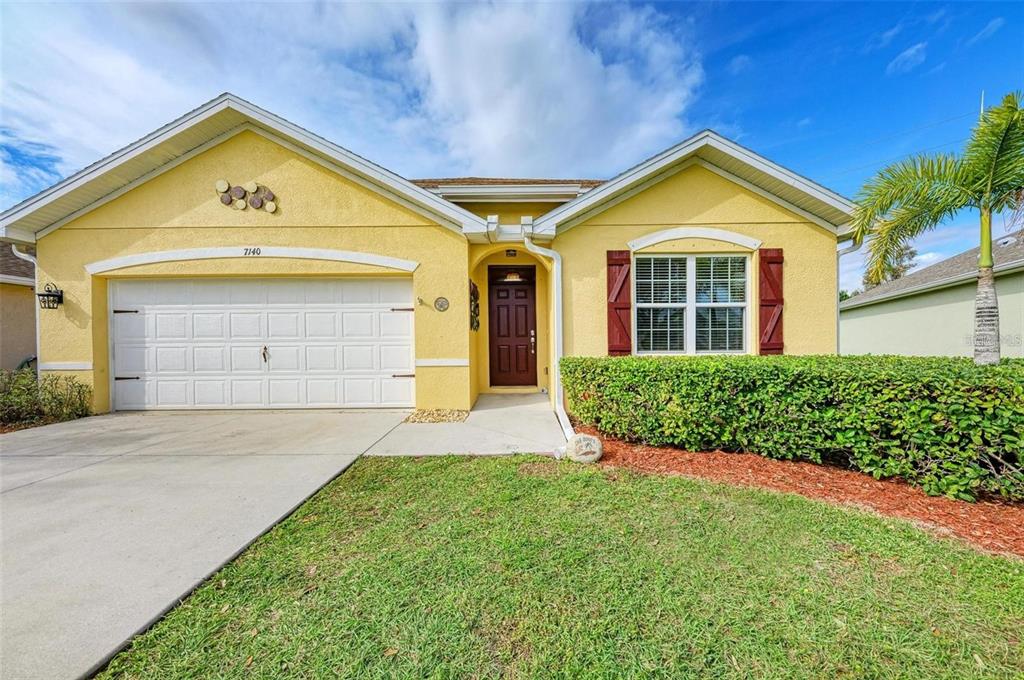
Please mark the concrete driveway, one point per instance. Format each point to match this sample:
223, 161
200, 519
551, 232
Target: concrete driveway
107, 522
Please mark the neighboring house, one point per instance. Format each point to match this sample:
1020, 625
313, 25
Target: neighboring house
359, 288
17, 309
930, 312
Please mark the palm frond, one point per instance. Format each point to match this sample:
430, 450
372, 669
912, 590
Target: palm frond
916, 181
891, 234
994, 156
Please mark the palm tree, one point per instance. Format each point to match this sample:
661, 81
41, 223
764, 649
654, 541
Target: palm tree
918, 194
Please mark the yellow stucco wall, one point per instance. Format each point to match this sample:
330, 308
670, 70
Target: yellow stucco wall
17, 324
698, 197
317, 208
482, 257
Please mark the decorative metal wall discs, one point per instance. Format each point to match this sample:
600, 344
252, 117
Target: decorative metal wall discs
441, 304
240, 196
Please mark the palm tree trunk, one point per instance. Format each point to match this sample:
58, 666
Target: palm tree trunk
986, 305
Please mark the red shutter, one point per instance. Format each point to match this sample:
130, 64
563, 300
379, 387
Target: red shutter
771, 300
619, 302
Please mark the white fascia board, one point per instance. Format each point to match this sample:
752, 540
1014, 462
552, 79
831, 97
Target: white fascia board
657, 165
18, 280
998, 270
10, 234
133, 150
459, 217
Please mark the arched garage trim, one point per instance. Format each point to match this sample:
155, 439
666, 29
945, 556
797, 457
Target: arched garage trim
694, 232
250, 252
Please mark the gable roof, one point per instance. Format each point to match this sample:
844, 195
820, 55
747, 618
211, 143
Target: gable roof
193, 133
1007, 251
724, 157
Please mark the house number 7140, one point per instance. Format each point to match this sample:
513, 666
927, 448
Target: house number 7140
252, 251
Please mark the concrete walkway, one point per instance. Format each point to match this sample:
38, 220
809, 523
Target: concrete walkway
498, 424
107, 522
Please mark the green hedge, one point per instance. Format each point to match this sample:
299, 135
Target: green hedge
950, 426
26, 401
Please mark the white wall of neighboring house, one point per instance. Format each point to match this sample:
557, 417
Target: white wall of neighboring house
934, 323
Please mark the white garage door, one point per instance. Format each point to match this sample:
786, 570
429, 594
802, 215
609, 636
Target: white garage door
262, 343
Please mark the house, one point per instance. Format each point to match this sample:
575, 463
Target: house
930, 312
17, 309
232, 259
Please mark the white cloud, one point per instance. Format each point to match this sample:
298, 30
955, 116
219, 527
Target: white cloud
423, 90
987, 32
739, 64
907, 60
883, 39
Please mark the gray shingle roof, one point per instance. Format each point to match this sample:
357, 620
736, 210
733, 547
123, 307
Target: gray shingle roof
13, 266
1007, 252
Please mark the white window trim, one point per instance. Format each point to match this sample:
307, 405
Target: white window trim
691, 305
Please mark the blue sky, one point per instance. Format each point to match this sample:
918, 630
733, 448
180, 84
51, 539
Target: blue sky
830, 90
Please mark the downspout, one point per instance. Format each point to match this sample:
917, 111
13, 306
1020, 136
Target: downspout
845, 251
556, 380
35, 285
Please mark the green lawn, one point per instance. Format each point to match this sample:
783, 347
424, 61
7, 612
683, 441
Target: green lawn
523, 567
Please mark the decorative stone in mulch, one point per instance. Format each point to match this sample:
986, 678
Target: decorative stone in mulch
437, 415
990, 524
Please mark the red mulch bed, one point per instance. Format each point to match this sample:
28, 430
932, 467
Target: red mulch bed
991, 524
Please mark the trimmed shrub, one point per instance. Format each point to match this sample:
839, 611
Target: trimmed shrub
53, 398
943, 423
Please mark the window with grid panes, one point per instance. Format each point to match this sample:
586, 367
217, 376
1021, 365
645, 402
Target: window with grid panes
690, 304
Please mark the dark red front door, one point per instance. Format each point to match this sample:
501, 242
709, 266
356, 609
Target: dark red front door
513, 326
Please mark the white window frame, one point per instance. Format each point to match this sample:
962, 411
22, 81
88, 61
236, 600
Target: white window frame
690, 331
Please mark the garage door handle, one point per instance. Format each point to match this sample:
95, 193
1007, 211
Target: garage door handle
403, 375
266, 354
119, 377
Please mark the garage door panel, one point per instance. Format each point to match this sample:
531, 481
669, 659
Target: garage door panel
209, 359
284, 393
209, 326
396, 391
172, 360
200, 343
283, 325
247, 392
359, 391
396, 358
131, 326
133, 360
356, 358
210, 393
357, 324
321, 358
284, 358
246, 325
395, 324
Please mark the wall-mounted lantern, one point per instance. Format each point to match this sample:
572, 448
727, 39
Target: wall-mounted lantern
51, 297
